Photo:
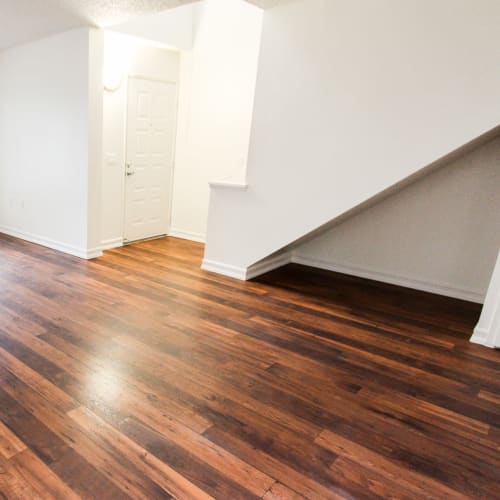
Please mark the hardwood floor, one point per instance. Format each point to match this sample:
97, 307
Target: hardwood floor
139, 375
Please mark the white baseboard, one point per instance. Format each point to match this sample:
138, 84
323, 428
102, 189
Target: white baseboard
482, 337
92, 253
225, 269
247, 273
285, 258
83, 253
487, 331
187, 235
425, 286
111, 243
269, 264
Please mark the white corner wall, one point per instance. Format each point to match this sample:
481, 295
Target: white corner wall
352, 97
49, 157
95, 142
135, 58
440, 234
217, 88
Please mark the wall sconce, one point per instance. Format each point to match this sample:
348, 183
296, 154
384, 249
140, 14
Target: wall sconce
118, 53
112, 77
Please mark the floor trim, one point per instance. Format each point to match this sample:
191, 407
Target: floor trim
111, 243
269, 264
487, 331
285, 258
225, 269
482, 337
187, 235
82, 253
425, 286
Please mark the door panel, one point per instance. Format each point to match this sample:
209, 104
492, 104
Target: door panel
150, 150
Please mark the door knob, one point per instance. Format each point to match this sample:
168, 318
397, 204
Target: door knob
129, 172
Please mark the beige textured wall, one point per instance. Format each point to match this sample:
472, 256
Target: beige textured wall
442, 232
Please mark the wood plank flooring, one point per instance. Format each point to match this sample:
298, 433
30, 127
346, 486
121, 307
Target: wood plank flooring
137, 375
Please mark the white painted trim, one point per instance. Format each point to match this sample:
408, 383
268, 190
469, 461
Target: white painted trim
225, 269
269, 264
112, 243
93, 253
244, 273
82, 253
425, 286
285, 258
487, 331
187, 235
228, 185
482, 337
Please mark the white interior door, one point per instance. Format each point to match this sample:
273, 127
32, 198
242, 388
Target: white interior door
151, 120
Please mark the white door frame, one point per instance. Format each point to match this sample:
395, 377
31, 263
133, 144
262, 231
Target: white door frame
139, 76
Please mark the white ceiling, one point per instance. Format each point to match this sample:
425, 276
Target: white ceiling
25, 20
267, 4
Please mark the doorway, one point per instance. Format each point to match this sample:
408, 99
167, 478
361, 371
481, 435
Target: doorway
150, 148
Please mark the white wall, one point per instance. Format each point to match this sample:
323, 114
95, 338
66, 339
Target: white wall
441, 233
47, 154
95, 141
134, 58
216, 90
172, 27
215, 107
351, 98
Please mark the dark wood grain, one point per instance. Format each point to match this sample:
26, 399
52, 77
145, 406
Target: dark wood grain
137, 375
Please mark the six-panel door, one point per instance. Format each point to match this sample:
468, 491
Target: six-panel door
149, 160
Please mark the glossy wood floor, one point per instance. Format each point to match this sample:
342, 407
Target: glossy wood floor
138, 375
